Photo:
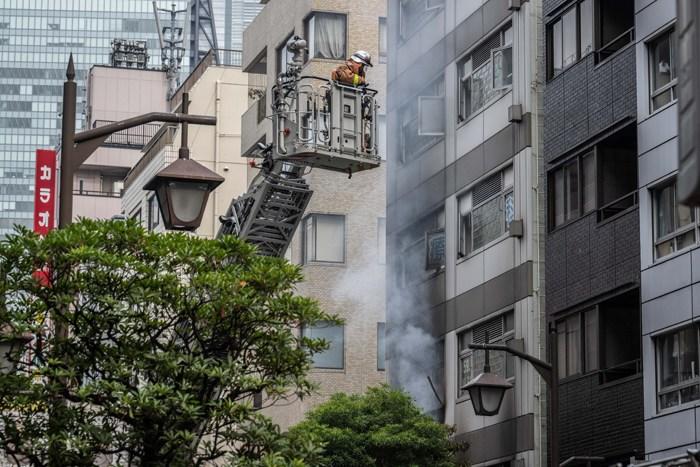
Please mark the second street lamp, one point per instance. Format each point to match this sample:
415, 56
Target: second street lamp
183, 187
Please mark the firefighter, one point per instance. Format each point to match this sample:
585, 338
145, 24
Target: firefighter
352, 72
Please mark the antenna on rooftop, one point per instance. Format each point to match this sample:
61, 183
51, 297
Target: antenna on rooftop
172, 44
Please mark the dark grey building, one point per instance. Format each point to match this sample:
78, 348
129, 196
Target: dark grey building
592, 261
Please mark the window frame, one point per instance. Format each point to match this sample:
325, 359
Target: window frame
677, 387
463, 78
549, 39
435, 86
429, 12
305, 253
678, 232
311, 45
585, 367
281, 51
591, 152
153, 212
381, 343
383, 29
507, 335
503, 193
305, 329
671, 85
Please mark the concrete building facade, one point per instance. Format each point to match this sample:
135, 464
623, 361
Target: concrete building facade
669, 254
115, 94
465, 215
220, 91
340, 241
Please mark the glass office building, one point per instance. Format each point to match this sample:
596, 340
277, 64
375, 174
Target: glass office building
36, 38
231, 17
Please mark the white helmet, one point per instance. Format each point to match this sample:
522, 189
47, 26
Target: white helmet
362, 57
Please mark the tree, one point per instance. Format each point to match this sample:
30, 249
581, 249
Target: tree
381, 428
169, 337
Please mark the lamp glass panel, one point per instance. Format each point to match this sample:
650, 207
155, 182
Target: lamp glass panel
475, 396
491, 398
187, 199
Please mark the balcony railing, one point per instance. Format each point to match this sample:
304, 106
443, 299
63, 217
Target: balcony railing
131, 138
620, 371
614, 45
619, 205
103, 194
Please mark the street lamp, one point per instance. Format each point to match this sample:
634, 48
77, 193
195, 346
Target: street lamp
486, 392
183, 187
487, 389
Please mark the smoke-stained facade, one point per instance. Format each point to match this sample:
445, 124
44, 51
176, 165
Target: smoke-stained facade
465, 214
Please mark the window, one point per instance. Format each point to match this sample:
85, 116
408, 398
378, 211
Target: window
678, 367
615, 26
262, 106
662, 70
485, 72
381, 240
333, 357
569, 37
567, 194
604, 179
381, 349
153, 213
674, 223
603, 339
486, 211
383, 40
414, 244
284, 56
500, 330
326, 35
416, 138
324, 238
381, 136
136, 214
413, 14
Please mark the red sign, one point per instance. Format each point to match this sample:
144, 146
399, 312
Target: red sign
45, 191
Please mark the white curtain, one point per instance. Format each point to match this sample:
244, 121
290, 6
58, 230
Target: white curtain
329, 36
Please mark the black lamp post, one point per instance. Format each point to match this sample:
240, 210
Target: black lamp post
183, 187
487, 389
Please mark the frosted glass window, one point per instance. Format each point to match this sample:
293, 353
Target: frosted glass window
333, 357
324, 238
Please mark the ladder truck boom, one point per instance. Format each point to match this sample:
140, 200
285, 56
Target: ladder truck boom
316, 123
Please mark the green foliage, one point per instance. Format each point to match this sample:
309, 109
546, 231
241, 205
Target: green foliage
381, 428
168, 338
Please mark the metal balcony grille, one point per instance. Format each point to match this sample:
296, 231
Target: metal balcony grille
132, 138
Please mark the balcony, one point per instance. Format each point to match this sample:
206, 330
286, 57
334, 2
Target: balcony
254, 126
131, 138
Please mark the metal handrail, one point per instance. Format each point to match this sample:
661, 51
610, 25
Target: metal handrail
103, 194
136, 137
612, 208
607, 50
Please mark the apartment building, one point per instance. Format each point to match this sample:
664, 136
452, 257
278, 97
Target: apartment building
594, 61
465, 216
215, 90
115, 94
340, 241
669, 255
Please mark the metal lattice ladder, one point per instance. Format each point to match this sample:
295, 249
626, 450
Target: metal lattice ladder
269, 214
